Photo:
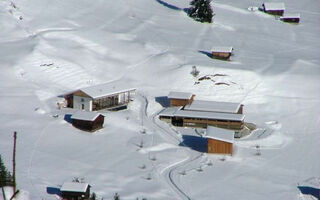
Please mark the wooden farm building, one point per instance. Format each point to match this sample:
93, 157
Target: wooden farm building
206, 113
87, 121
273, 8
222, 52
180, 98
104, 96
75, 191
291, 18
220, 141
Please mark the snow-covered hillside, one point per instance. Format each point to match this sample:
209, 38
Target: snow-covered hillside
48, 48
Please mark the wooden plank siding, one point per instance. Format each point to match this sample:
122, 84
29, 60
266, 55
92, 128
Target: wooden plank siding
221, 55
234, 125
89, 125
181, 102
219, 147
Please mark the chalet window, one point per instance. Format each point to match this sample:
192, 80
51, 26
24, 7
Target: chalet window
82, 106
82, 100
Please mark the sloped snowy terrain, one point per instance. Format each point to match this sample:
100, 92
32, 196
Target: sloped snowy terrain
59, 46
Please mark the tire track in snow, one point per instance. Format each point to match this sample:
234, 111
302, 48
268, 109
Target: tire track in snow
170, 170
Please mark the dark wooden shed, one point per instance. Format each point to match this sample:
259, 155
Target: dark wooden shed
180, 98
273, 8
222, 52
87, 121
291, 18
220, 141
75, 191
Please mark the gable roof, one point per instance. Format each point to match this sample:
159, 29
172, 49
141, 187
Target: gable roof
85, 115
224, 49
180, 95
106, 89
220, 134
169, 112
290, 16
74, 187
213, 106
273, 6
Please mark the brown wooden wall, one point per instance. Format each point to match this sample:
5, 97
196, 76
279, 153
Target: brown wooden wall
179, 102
219, 147
89, 125
275, 12
218, 123
221, 55
240, 111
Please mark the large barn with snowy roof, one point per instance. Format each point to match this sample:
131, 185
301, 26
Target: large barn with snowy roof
104, 96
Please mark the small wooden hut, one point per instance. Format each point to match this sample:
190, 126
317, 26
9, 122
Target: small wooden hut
87, 121
220, 141
222, 52
180, 98
273, 8
75, 191
290, 18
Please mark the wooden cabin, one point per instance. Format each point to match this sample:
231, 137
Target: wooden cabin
222, 52
273, 8
87, 121
180, 98
290, 18
75, 191
220, 141
98, 97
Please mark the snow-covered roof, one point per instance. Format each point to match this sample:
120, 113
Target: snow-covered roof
179, 95
291, 15
106, 89
222, 49
273, 6
220, 134
74, 187
85, 115
209, 115
169, 112
213, 106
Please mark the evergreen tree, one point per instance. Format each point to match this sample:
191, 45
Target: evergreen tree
200, 10
5, 176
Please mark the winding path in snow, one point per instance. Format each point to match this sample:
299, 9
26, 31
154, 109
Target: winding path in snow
171, 136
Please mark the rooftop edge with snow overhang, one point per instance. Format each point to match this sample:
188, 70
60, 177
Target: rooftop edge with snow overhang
209, 115
85, 115
74, 187
180, 95
169, 112
222, 49
219, 134
270, 6
213, 106
290, 16
106, 89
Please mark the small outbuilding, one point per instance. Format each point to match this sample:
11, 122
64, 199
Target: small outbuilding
291, 18
87, 121
220, 141
75, 191
222, 52
273, 8
180, 98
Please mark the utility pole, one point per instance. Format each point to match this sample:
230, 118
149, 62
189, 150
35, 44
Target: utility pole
14, 162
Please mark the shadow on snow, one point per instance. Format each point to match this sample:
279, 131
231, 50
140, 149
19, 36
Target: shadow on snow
310, 191
53, 190
209, 54
194, 142
173, 7
163, 101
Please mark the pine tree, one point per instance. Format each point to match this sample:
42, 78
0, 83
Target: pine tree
5, 176
200, 10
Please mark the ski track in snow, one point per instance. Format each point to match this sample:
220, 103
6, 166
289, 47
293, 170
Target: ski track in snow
170, 135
